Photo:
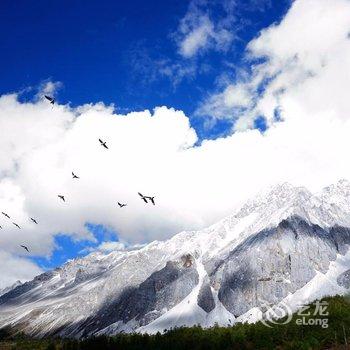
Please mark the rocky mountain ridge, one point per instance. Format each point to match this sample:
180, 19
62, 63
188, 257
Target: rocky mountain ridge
285, 244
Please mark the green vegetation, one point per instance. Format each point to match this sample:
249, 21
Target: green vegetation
242, 336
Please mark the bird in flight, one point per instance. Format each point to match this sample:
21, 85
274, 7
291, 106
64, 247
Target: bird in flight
5, 215
16, 224
121, 205
75, 176
24, 247
51, 99
0, 227
103, 143
144, 198
152, 200
62, 197
35, 222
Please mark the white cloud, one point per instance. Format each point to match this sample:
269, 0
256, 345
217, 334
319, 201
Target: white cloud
231, 101
49, 88
14, 268
155, 153
197, 32
214, 25
306, 59
197, 38
110, 246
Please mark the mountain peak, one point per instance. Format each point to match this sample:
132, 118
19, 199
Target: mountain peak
275, 198
286, 189
11, 287
341, 187
284, 200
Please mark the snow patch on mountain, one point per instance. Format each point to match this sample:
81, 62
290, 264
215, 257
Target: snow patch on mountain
323, 284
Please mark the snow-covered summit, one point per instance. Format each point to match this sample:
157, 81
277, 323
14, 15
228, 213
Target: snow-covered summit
327, 208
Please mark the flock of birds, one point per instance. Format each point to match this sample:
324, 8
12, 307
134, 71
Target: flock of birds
146, 199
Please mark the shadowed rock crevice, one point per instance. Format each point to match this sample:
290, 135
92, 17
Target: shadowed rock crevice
205, 297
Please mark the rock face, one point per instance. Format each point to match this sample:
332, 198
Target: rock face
8, 289
274, 263
161, 291
282, 245
205, 297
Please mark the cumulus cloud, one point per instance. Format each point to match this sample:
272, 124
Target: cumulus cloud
305, 58
156, 153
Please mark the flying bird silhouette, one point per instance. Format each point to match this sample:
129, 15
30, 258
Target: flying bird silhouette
62, 197
51, 99
151, 199
75, 176
24, 247
16, 224
35, 222
0, 227
5, 215
121, 205
103, 143
144, 198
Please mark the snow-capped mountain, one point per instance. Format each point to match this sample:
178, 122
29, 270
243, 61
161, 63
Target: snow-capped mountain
9, 288
285, 244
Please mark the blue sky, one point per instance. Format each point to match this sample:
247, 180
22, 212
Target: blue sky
69, 248
126, 53
110, 51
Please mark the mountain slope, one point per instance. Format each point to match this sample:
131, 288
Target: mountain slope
275, 246
9, 288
